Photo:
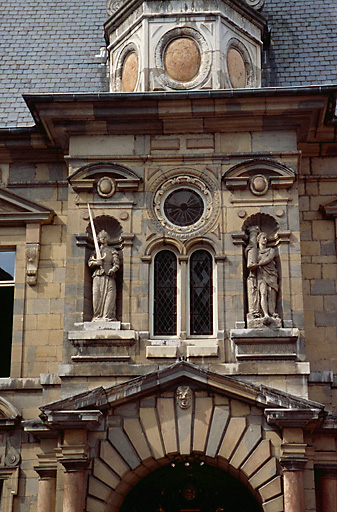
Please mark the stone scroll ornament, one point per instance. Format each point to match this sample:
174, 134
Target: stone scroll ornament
105, 262
262, 281
256, 4
184, 397
113, 5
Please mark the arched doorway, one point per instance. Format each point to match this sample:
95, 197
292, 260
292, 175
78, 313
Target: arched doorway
189, 488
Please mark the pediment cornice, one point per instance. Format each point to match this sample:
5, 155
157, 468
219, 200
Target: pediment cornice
16, 210
182, 373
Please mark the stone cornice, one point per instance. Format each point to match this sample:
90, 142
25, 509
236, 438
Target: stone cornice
293, 463
280, 407
170, 112
301, 418
81, 419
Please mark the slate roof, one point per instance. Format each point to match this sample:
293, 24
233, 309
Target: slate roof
303, 48
53, 46
48, 46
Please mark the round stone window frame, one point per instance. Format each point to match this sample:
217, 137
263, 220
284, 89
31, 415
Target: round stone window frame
205, 58
125, 52
237, 45
180, 182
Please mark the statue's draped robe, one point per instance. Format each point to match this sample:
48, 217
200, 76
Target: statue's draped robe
104, 285
267, 273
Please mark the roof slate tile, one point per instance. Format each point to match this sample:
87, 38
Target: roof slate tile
43, 40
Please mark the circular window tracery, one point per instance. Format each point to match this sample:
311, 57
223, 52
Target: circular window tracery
183, 204
183, 207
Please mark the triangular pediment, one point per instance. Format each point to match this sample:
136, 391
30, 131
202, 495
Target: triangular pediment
169, 378
16, 210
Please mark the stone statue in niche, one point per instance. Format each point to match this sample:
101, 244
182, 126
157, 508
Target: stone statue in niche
184, 397
104, 291
262, 281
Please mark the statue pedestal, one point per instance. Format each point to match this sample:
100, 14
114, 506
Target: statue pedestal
265, 344
263, 323
97, 325
102, 341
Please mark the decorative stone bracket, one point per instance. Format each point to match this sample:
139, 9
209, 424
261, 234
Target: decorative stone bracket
16, 210
329, 211
33, 234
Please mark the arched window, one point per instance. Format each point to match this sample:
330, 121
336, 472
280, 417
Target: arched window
201, 293
165, 294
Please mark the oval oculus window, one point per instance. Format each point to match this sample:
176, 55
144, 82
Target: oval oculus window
183, 207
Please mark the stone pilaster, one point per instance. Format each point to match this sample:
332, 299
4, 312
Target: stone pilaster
75, 461
293, 484
127, 239
328, 482
47, 485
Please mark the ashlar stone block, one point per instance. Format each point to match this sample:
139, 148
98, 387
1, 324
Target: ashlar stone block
274, 505
264, 474
258, 457
231, 438
112, 458
271, 489
134, 431
202, 415
150, 425
166, 413
98, 489
219, 422
121, 442
103, 473
184, 417
94, 505
248, 442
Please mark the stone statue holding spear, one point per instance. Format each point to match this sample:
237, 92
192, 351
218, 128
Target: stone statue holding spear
105, 261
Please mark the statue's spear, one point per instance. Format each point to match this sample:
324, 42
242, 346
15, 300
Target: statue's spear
98, 252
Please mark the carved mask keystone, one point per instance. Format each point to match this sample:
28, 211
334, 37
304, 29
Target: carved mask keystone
184, 396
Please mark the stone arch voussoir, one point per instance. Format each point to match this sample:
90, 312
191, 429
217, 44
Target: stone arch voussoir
156, 431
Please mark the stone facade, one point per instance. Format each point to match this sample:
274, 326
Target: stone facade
183, 167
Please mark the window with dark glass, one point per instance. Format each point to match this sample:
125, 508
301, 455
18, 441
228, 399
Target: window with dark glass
7, 264
183, 207
165, 294
201, 293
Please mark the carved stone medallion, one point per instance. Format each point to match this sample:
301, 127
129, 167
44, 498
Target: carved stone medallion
184, 396
183, 204
256, 4
113, 5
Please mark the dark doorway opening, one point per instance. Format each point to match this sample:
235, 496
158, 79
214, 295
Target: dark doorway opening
193, 488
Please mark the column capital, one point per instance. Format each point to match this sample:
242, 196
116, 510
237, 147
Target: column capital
73, 457
293, 463
46, 472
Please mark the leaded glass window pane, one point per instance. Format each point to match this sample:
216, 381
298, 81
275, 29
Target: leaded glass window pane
165, 294
201, 293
